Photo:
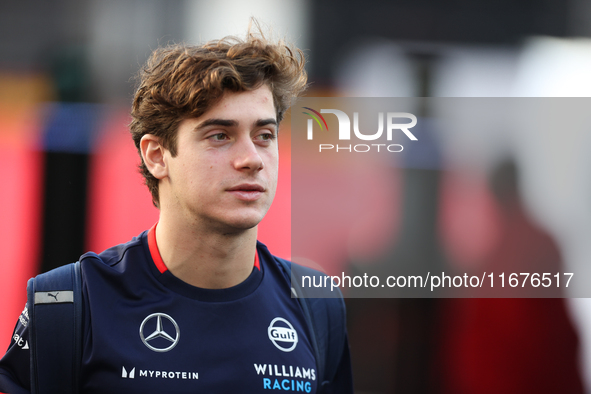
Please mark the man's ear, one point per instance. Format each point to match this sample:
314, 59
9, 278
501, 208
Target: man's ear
153, 155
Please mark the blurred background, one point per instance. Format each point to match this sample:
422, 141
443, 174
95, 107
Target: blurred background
66, 82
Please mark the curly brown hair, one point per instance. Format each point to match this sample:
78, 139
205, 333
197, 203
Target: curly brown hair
180, 82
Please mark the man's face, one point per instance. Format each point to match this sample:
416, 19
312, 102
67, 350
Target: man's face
225, 173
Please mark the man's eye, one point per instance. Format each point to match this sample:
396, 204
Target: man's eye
267, 136
219, 137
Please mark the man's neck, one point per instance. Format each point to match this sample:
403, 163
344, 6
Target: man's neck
204, 258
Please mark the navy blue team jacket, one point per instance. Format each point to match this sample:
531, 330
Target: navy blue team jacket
146, 331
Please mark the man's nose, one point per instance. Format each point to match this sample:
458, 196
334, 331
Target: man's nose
247, 156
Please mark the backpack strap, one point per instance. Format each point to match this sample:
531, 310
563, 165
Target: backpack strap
325, 315
55, 312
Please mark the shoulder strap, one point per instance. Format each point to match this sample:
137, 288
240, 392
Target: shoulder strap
325, 315
55, 312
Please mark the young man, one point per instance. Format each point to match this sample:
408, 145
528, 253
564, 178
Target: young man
196, 304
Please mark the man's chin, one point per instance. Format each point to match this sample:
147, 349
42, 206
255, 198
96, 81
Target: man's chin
245, 224
238, 226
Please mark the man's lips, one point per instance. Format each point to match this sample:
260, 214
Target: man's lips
247, 191
247, 187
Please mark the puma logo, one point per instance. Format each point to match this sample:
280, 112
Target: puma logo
53, 295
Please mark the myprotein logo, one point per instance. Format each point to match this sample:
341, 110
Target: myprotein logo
390, 122
158, 374
125, 374
282, 334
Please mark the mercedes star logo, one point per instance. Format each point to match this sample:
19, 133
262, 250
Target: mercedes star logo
160, 340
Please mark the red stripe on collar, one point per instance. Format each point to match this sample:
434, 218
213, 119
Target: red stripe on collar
154, 250
256, 260
155, 253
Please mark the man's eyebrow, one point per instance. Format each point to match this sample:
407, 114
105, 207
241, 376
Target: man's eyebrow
233, 123
265, 122
216, 122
